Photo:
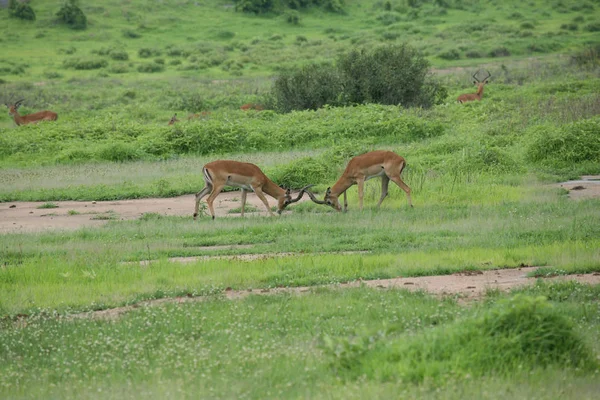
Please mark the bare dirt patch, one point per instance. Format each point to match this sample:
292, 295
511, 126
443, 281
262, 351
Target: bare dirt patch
70, 215
469, 286
588, 187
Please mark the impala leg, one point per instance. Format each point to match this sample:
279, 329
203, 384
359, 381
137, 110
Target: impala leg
262, 197
361, 191
244, 193
384, 188
199, 197
345, 201
403, 186
213, 195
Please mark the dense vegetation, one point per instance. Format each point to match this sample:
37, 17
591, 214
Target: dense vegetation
482, 175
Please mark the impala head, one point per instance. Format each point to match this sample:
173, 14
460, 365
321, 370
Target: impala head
173, 119
331, 201
286, 200
12, 108
482, 82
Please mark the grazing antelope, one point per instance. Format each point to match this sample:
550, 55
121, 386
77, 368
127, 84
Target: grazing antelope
203, 114
386, 164
246, 176
29, 118
252, 106
173, 119
475, 96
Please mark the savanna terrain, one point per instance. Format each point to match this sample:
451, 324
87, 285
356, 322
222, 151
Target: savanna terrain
110, 289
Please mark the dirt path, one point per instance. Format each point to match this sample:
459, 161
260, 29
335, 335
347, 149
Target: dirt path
28, 217
18, 216
587, 187
469, 285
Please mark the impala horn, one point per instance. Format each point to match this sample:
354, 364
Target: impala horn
487, 77
300, 194
313, 198
475, 76
18, 103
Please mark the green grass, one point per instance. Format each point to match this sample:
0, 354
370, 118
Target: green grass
480, 174
278, 346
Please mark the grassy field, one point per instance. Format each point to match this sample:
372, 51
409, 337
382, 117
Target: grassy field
483, 178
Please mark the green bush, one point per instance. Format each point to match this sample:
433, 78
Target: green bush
119, 55
20, 10
387, 75
71, 15
307, 88
451, 54
85, 64
150, 67
513, 337
573, 143
119, 151
593, 27
147, 53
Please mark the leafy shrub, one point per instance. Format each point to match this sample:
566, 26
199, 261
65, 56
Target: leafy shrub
474, 54
451, 54
128, 33
589, 57
308, 88
147, 53
573, 143
570, 26
388, 18
387, 75
71, 15
500, 52
119, 68
593, 27
527, 25
119, 55
119, 151
16, 9
85, 64
150, 67
302, 172
292, 17
515, 335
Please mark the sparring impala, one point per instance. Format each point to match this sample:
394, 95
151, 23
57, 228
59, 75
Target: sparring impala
173, 120
247, 177
386, 164
475, 96
29, 118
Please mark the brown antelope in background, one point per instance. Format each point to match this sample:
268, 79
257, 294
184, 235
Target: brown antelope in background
203, 114
386, 164
29, 118
252, 106
247, 177
173, 119
475, 96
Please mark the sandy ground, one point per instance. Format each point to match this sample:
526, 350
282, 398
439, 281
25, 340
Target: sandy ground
470, 285
69, 215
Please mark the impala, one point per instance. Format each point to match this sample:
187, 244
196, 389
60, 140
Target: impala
246, 176
475, 96
386, 164
252, 106
173, 119
29, 118
203, 114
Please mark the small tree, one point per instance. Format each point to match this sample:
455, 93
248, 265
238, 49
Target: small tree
71, 15
20, 10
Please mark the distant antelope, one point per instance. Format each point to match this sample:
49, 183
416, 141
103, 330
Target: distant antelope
29, 118
173, 119
475, 96
202, 114
252, 106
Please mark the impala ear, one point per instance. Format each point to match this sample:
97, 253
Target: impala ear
288, 192
475, 82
